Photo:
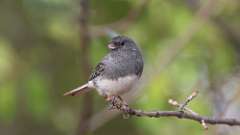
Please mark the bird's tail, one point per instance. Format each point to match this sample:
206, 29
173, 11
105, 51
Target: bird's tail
79, 90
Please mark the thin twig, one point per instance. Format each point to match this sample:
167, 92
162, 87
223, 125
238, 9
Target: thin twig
189, 99
204, 124
175, 103
183, 107
178, 114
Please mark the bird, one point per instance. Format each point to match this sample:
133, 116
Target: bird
117, 73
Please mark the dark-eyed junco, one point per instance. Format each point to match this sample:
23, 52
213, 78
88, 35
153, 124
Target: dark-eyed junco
118, 71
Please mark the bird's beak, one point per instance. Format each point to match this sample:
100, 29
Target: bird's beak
111, 46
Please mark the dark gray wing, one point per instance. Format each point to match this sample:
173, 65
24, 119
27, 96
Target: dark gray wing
139, 65
97, 71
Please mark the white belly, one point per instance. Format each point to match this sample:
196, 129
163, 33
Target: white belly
116, 87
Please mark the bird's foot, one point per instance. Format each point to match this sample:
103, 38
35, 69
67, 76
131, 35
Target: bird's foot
116, 102
124, 103
111, 102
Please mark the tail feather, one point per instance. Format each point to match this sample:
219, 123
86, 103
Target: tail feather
78, 90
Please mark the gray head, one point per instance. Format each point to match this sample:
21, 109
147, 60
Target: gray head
121, 42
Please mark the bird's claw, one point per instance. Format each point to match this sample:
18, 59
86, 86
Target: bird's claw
116, 102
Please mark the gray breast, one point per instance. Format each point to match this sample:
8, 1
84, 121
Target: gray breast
122, 63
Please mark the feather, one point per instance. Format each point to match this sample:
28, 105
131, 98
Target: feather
79, 90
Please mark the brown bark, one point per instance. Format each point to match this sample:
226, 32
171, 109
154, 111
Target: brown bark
86, 109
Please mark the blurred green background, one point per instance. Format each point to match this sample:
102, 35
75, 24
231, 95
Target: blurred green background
187, 45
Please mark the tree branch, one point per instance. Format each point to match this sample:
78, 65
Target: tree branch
123, 107
180, 115
86, 110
